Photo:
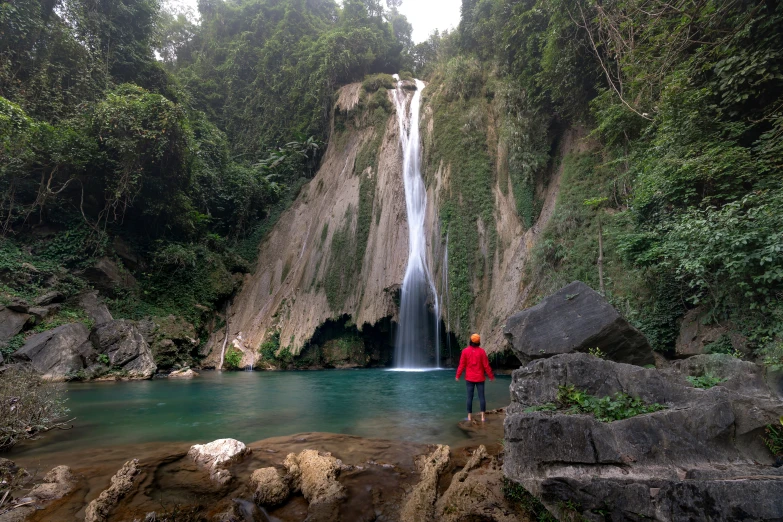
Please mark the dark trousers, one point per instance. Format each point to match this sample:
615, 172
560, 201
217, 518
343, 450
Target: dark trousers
482, 401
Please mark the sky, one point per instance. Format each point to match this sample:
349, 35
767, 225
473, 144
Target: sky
424, 15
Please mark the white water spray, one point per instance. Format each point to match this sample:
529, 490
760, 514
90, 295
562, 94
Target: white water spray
417, 326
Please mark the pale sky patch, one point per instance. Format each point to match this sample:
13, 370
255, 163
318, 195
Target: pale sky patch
424, 15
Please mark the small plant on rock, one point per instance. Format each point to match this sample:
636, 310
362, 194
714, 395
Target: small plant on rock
606, 409
232, 359
774, 439
103, 359
596, 352
705, 381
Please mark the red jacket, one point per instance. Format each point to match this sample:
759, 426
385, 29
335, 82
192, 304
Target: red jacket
474, 363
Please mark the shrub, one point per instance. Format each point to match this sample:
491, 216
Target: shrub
232, 359
29, 406
375, 82
774, 439
705, 381
605, 409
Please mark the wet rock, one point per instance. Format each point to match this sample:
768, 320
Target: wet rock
11, 323
121, 483
95, 308
59, 352
476, 495
575, 319
126, 348
56, 484
218, 455
50, 297
107, 277
315, 475
420, 504
185, 373
270, 488
674, 464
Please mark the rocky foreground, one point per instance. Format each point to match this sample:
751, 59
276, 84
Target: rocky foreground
314, 477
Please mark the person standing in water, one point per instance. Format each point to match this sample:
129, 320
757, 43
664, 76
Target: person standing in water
475, 364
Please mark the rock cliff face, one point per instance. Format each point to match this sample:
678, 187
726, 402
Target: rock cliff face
341, 250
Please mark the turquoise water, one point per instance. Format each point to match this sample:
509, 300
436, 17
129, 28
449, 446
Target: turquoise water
249, 406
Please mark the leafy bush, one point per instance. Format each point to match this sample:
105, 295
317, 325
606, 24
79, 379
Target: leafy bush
774, 439
232, 359
605, 409
29, 406
374, 82
268, 349
705, 381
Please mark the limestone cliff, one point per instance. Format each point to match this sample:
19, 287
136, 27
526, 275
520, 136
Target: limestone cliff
340, 251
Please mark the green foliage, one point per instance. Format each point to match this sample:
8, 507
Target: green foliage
530, 504
374, 82
596, 352
774, 439
13, 344
605, 409
705, 381
232, 359
103, 358
268, 349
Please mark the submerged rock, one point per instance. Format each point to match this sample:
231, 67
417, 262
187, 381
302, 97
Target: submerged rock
476, 495
576, 318
59, 352
121, 483
218, 455
56, 484
700, 458
315, 475
420, 504
126, 348
270, 488
186, 373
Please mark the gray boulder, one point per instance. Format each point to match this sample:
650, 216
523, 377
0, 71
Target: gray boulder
11, 323
575, 319
95, 308
59, 352
700, 458
126, 348
108, 277
50, 297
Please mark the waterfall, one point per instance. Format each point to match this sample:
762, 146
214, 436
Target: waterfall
444, 292
416, 330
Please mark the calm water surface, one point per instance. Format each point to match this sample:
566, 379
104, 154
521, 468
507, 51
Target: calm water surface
249, 406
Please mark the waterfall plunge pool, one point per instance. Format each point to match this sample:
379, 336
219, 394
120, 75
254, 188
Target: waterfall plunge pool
421, 407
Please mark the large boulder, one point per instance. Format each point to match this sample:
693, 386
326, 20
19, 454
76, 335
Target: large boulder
700, 458
575, 319
11, 324
57, 353
95, 308
108, 277
217, 456
126, 348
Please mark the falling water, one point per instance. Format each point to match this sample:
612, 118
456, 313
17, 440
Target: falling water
417, 328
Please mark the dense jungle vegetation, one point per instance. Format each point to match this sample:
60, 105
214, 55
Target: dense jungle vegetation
166, 144
170, 145
683, 104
